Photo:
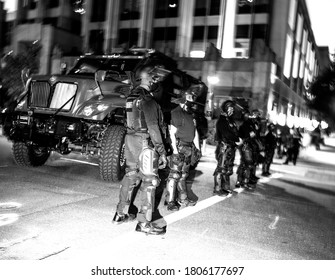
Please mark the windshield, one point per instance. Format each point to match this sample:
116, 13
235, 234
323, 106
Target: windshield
89, 66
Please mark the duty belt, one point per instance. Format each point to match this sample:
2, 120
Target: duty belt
184, 143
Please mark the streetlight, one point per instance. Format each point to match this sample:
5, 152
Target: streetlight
212, 81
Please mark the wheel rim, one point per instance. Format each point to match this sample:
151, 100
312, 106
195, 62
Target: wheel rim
39, 151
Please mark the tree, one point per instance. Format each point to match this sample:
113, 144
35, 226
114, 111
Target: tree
12, 65
320, 96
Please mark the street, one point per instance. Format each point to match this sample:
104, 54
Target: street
64, 211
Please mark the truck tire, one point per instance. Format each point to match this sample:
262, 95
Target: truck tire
31, 155
112, 161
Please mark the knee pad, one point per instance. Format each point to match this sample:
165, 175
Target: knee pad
176, 175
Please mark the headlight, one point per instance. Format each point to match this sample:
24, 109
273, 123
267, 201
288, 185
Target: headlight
94, 109
88, 110
102, 107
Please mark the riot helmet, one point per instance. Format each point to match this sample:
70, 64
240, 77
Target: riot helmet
271, 127
256, 114
228, 108
148, 75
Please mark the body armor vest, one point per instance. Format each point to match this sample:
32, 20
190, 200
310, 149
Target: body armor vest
135, 117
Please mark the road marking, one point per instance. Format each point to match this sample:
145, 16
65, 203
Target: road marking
80, 161
9, 218
187, 211
8, 243
3, 166
276, 175
274, 223
9, 205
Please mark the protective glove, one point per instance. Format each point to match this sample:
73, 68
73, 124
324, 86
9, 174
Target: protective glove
162, 161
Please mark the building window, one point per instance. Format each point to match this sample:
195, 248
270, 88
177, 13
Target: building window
33, 4
288, 57
256, 6
130, 9
259, 31
214, 7
299, 29
296, 64
198, 33
242, 31
52, 4
212, 32
166, 8
292, 14
200, 8
99, 11
128, 37
165, 34
207, 7
304, 42
51, 21
96, 41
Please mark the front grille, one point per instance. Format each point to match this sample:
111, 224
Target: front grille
60, 95
40, 92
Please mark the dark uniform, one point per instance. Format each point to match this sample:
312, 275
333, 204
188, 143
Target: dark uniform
247, 132
256, 144
226, 136
293, 144
270, 144
183, 133
144, 149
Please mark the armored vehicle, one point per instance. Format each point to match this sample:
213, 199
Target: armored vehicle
77, 112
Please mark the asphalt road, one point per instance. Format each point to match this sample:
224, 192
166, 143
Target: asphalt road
64, 211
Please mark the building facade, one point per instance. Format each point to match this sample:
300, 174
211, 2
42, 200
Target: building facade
51, 23
266, 55
2, 26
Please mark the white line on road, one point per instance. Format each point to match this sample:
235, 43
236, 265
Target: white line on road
183, 213
9, 218
3, 166
274, 223
80, 161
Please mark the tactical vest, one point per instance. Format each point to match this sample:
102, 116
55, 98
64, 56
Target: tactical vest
135, 117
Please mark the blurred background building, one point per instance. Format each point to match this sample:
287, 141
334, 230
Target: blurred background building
259, 51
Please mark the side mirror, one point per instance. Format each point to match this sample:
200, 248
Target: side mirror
25, 74
100, 75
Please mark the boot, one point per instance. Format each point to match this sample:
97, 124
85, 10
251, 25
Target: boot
120, 218
149, 228
172, 206
248, 186
186, 202
218, 190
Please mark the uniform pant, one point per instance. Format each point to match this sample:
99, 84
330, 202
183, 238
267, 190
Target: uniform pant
269, 153
179, 171
246, 166
137, 176
225, 156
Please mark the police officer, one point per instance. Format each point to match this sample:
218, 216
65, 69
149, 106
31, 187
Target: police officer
270, 144
247, 132
256, 144
182, 132
227, 138
144, 153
